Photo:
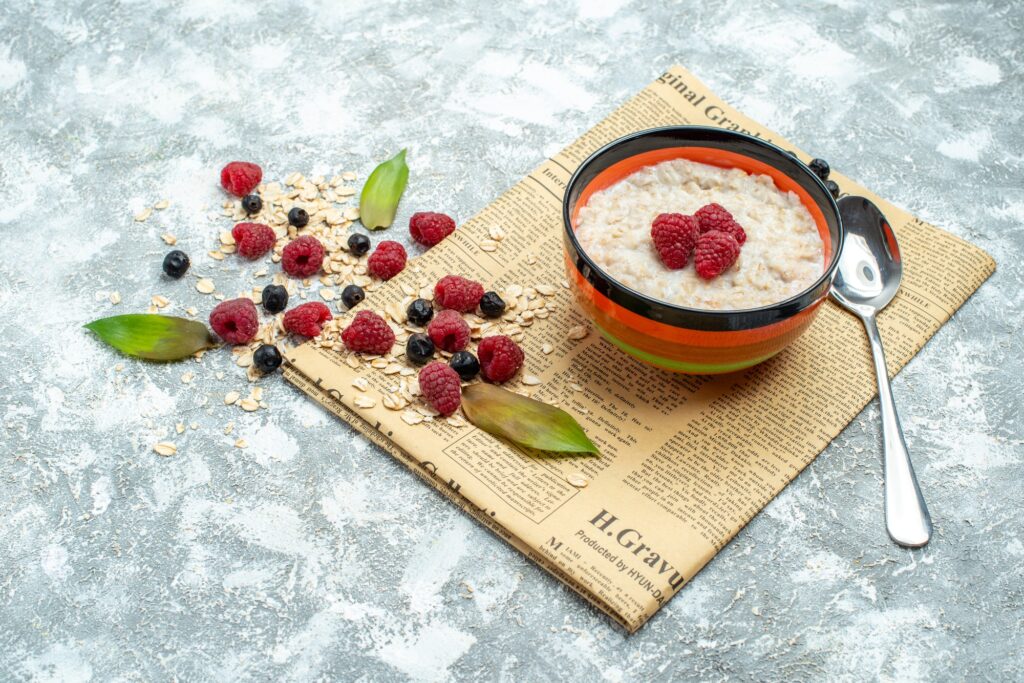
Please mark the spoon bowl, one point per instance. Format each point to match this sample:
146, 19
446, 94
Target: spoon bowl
870, 269
866, 281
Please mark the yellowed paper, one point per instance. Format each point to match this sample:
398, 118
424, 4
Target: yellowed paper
685, 461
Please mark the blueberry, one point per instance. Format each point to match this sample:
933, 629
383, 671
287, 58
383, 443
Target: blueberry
176, 263
420, 312
298, 217
419, 349
352, 295
252, 203
465, 364
492, 305
358, 243
275, 298
820, 168
267, 358
833, 188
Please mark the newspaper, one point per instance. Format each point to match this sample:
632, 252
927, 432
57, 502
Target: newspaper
686, 461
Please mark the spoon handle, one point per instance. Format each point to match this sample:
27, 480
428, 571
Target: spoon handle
906, 515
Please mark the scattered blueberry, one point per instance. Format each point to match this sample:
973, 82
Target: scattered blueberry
358, 243
419, 349
252, 203
298, 217
352, 295
465, 364
176, 263
833, 188
267, 358
275, 298
820, 168
420, 312
492, 305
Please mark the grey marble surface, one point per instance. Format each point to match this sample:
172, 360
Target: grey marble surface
311, 555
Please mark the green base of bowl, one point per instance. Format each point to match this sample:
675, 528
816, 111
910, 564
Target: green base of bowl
681, 366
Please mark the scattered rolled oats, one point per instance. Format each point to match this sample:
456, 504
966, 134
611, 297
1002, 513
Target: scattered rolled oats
141, 216
496, 233
361, 383
578, 332
168, 238
115, 298
241, 443
249, 405
165, 448
162, 204
546, 348
364, 402
205, 286
231, 397
411, 417
577, 480
531, 380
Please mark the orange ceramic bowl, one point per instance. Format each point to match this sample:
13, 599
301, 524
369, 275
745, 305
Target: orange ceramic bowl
691, 340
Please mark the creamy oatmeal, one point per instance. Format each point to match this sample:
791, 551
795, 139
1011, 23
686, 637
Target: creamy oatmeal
782, 256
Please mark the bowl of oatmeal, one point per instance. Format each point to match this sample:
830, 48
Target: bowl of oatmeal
679, 318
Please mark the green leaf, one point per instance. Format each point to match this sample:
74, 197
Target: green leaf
153, 337
523, 420
383, 189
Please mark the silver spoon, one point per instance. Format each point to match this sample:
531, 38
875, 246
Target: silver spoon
868, 278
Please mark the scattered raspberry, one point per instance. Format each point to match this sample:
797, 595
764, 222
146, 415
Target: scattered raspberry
716, 251
448, 331
240, 177
716, 217
675, 236
253, 239
387, 260
307, 319
441, 386
302, 257
500, 358
429, 228
235, 321
458, 293
368, 333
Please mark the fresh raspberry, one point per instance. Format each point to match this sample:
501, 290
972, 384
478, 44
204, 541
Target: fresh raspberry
368, 333
441, 386
240, 177
235, 321
448, 331
500, 358
429, 228
458, 293
716, 217
307, 319
716, 251
253, 239
387, 260
302, 257
675, 236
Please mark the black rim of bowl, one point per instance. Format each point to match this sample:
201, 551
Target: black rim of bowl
700, 136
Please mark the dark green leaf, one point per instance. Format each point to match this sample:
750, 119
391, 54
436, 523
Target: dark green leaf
153, 337
523, 420
379, 199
